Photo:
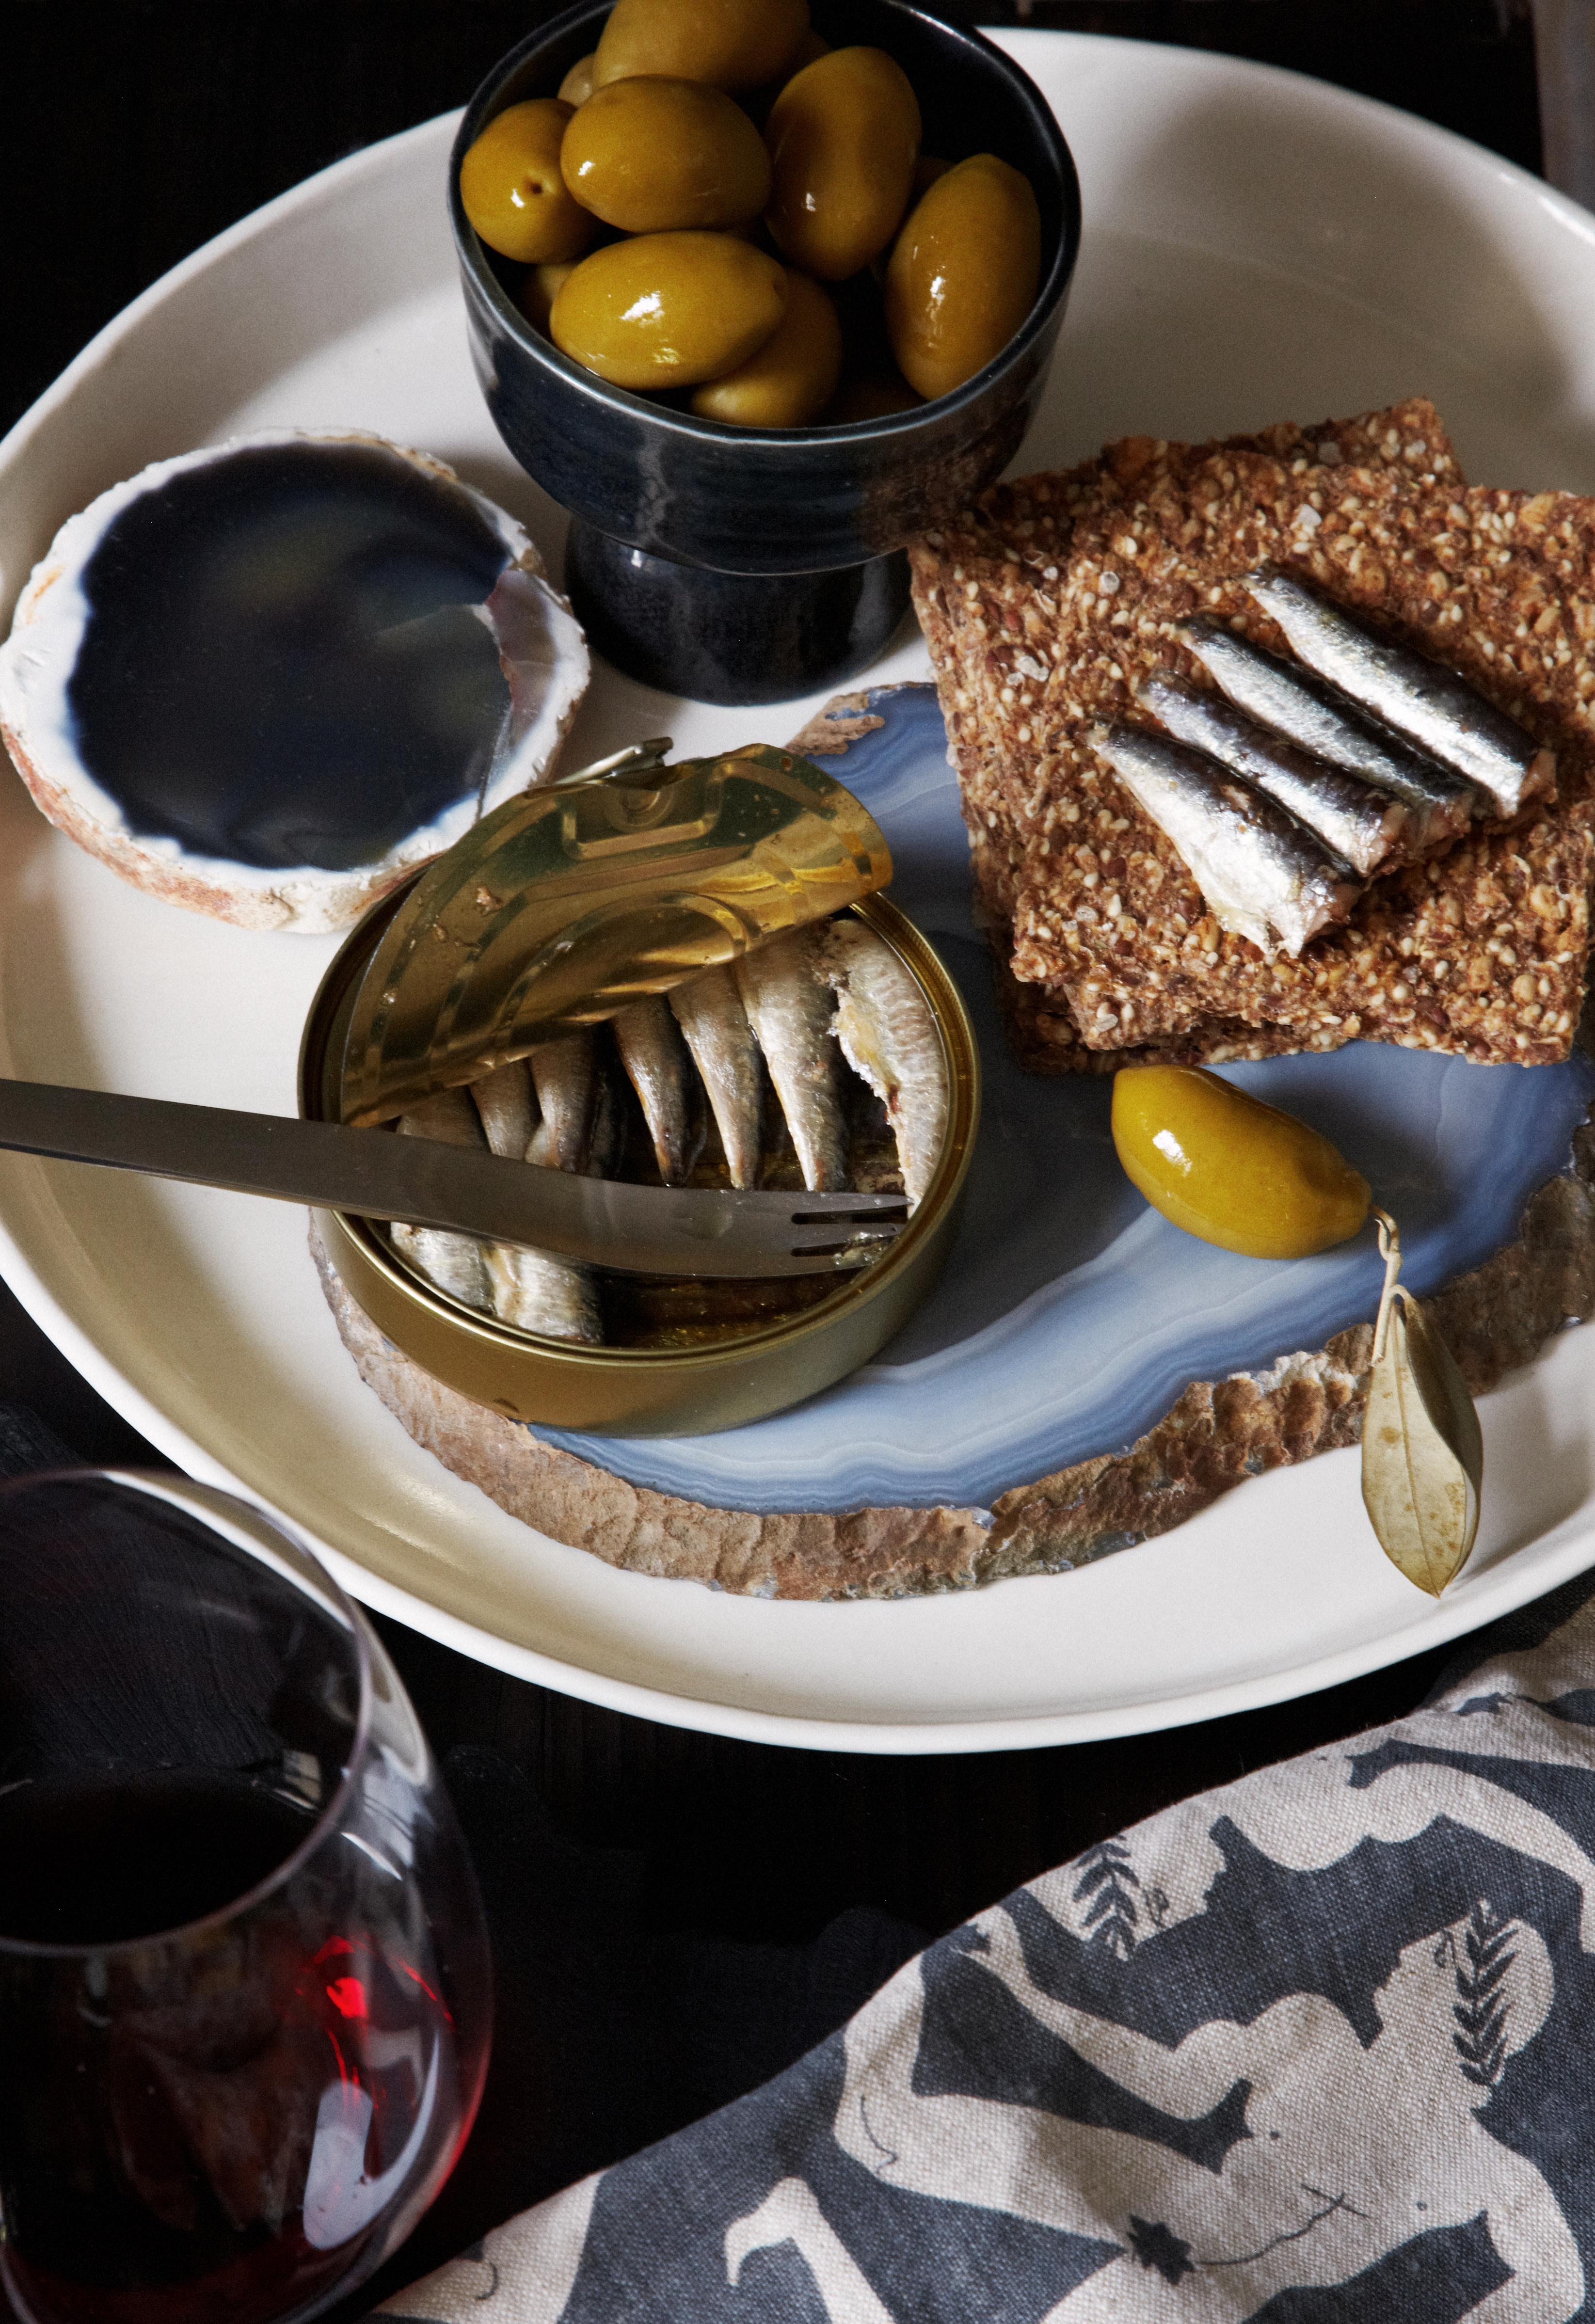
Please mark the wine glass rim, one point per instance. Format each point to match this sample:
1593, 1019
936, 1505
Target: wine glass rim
210, 1502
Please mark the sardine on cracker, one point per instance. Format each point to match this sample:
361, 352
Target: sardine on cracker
1263, 876
1368, 829
1292, 703
1061, 595
1431, 705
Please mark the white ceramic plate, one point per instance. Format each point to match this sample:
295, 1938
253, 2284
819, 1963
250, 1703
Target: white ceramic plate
1256, 246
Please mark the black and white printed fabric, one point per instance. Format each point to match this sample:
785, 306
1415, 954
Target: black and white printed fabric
1318, 2048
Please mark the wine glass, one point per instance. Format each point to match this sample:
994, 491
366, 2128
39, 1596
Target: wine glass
245, 1987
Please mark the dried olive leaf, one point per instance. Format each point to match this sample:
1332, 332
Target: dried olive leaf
1423, 1456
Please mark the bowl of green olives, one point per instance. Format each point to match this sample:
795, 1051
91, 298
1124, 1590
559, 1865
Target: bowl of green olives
757, 295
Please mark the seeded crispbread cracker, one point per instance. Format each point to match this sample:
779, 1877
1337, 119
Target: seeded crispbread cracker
1481, 951
1046, 1039
989, 586
966, 580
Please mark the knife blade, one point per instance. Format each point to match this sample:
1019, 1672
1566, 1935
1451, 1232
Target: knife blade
372, 1173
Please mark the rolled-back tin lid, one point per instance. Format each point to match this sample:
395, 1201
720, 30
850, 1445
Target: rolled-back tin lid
573, 900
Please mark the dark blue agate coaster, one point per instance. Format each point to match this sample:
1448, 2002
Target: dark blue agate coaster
282, 661
265, 678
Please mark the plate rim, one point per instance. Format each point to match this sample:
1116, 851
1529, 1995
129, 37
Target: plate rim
889, 1736
886, 1738
93, 354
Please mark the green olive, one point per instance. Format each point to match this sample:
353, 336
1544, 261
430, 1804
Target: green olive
539, 290
963, 273
668, 309
842, 136
576, 87
729, 44
759, 101
874, 397
513, 193
649, 155
793, 375
809, 47
1222, 1164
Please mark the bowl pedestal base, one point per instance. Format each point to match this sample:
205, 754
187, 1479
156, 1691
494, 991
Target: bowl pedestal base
734, 637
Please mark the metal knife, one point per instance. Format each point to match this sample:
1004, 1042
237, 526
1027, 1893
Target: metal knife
375, 1174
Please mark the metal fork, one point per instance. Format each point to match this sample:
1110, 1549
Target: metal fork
635, 1230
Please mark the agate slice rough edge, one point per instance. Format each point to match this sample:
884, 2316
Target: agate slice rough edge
1219, 1432
542, 652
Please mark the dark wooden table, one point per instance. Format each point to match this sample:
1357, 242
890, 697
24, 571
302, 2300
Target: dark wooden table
674, 1915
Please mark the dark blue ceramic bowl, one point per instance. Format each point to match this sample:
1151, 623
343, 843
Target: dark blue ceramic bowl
788, 537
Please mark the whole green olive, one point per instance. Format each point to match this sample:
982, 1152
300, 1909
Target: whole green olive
963, 273
576, 87
668, 309
651, 155
512, 191
792, 377
843, 137
729, 44
757, 101
1222, 1164
809, 47
540, 286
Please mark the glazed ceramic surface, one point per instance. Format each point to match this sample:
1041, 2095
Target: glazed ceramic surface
731, 637
794, 531
790, 499
1257, 246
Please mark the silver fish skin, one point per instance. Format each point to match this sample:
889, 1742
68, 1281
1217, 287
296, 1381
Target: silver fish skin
1369, 830
529, 1288
454, 1262
1316, 719
886, 1031
714, 1024
1431, 706
562, 1074
536, 1292
508, 1109
656, 1066
790, 1011
1262, 875
607, 1137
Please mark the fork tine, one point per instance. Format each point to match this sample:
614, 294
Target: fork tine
842, 1258
694, 1231
773, 1202
843, 1207
828, 1235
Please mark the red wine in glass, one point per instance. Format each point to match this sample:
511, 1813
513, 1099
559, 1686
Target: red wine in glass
244, 1985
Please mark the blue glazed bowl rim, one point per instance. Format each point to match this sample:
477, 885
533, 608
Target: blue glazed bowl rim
769, 442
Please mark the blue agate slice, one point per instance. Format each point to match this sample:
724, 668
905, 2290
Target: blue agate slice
1070, 1315
283, 662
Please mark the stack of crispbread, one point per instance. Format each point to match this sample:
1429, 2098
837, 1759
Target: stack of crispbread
1050, 601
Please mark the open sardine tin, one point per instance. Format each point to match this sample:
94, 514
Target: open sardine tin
562, 907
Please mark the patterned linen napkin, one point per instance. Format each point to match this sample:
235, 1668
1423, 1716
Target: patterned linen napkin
1317, 2048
